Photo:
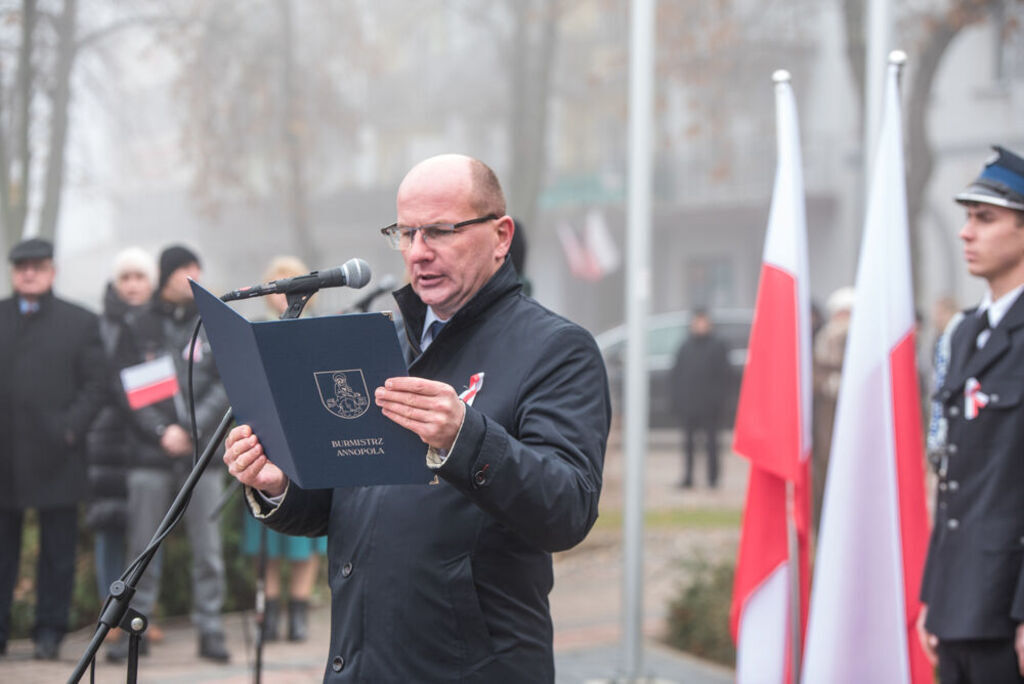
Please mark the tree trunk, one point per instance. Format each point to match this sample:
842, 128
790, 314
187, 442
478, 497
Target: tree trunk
60, 103
531, 63
296, 191
19, 182
940, 32
920, 157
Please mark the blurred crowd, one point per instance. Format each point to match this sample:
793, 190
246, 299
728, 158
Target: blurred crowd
95, 418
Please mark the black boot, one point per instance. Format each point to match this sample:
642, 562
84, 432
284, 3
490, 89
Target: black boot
271, 613
298, 623
212, 647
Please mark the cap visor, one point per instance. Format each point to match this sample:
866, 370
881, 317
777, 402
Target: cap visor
984, 195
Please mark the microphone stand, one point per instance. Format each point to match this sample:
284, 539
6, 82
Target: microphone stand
296, 302
116, 610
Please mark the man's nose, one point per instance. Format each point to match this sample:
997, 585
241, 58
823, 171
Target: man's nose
418, 247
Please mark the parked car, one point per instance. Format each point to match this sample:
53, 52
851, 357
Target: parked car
665, 332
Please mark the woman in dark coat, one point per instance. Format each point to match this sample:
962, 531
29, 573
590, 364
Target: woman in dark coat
110, 441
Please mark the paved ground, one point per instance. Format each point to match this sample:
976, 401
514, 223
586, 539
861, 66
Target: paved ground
585, 603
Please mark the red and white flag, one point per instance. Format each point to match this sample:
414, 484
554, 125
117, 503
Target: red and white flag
593, 255
874, 527
150, 382
773, 427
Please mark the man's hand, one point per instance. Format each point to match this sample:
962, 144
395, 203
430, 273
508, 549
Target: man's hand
930, 642
176, 442
246, 462
1018, 646
430, 409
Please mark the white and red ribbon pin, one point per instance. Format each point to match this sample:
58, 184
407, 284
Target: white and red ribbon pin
974, 398
475, 383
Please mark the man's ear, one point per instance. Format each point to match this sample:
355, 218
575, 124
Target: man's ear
505, 229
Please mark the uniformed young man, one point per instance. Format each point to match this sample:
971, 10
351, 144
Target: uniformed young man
973, 585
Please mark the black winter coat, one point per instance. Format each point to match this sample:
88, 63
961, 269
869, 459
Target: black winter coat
52, 384
450, 581
165, 328
111, 441
701, 377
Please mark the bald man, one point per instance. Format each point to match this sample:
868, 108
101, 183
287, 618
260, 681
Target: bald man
450, 581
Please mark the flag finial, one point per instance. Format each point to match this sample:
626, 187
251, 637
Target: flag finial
781, 76
898, 58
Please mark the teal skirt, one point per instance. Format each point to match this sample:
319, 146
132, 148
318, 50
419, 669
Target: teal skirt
279, 545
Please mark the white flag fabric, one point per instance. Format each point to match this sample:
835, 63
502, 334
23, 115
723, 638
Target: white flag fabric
874, 527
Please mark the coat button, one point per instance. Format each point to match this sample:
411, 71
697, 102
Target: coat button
954, 411
942, 486
346, 569
952, 523
338, 663
953, 485
951, 448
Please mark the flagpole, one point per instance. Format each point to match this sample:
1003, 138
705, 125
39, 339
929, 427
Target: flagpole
792, 539
638, 293
794, 582
877, 36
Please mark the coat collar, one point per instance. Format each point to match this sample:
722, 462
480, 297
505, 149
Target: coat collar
504, 282
998, 343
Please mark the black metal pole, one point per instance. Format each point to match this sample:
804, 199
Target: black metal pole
122, 592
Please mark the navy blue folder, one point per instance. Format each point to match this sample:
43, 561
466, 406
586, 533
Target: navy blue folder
306, 387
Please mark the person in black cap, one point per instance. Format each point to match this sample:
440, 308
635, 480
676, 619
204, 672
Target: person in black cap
163, 331
52, 383
973, 584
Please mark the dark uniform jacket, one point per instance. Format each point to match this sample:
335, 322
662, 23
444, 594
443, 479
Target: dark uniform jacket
165, 328
450, 581
52, 383
974, 575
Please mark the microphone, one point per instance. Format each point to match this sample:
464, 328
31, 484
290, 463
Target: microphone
384, 285
353, 273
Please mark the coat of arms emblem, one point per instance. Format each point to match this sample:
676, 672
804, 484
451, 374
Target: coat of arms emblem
343, 392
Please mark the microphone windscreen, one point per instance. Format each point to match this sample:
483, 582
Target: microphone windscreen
357, 273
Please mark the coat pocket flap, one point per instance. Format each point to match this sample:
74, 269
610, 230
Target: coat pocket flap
1001, 535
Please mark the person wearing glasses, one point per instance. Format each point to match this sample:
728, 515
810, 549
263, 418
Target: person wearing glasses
450, 581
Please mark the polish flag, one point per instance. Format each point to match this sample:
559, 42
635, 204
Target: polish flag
773, 428
150, 382
593, 255
874, 526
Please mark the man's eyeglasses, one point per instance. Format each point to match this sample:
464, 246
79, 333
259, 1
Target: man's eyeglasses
434, 234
